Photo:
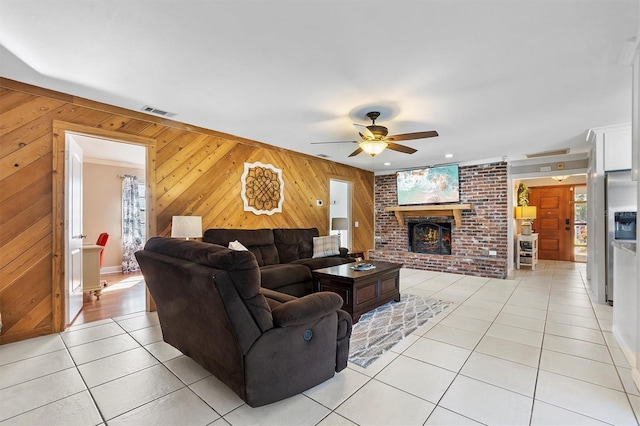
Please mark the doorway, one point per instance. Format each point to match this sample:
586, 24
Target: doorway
107, 164
340, 210
100, 139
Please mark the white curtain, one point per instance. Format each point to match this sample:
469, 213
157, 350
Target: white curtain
131, 224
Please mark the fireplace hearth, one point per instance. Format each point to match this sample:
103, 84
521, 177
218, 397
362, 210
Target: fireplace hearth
430, 238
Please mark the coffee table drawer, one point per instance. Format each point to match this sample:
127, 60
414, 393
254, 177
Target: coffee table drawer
363, 291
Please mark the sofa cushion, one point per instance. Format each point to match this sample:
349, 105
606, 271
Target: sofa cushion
326, 246
293, 244
258, 241
277, 276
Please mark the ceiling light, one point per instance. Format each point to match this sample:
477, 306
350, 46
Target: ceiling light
448, 156
387, 163
559, 178
373, 148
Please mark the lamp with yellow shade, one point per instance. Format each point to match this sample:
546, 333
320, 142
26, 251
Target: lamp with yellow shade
526, 214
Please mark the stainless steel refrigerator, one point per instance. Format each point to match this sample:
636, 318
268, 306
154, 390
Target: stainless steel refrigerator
620, 214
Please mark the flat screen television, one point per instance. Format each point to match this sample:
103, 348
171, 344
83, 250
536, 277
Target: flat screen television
430, 185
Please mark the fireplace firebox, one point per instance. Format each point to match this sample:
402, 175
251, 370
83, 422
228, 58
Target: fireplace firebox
430, 238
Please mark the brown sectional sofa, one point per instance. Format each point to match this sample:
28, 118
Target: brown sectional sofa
264, 345
285, 255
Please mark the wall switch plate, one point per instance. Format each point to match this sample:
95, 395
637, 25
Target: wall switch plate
493, 253
356, 224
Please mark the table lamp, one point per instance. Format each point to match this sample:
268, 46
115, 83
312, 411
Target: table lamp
339, 224
186, 227
527, 214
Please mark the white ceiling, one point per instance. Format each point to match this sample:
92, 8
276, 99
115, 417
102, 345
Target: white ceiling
496, 78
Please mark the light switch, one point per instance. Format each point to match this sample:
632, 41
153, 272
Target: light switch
356, 224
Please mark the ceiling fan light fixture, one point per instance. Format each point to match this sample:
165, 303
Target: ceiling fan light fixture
373, 148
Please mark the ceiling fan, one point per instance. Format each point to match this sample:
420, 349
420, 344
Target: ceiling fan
375, 139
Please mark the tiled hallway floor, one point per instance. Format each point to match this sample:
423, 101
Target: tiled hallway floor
531, 349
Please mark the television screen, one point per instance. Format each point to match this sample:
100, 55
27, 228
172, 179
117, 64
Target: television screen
430, 185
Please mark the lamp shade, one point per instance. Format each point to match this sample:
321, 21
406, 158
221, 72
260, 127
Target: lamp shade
339, 224
526, 212
373, 148
186, 227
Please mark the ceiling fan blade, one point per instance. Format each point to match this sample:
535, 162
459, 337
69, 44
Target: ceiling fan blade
410, 136
364, 131
356, 152
400, 148
317, 143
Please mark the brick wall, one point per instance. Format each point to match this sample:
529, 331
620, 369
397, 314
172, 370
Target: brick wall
483, 228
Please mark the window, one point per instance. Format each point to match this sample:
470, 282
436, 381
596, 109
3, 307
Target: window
580, 223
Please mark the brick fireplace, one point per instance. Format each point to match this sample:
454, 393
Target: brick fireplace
482, 228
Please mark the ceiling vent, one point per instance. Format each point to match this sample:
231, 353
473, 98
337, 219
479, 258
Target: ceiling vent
548, 153
157, 111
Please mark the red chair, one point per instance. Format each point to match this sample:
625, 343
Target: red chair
102, 241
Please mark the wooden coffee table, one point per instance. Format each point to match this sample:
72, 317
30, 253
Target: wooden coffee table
361, 291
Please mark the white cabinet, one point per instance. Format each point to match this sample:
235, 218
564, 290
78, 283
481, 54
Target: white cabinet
91, 269
527, 251
617, 150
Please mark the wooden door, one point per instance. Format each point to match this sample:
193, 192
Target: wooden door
554, 221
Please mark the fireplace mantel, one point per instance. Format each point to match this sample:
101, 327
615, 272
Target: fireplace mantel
454, 210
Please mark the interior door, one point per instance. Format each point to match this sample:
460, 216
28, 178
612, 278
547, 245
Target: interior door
73, 228
554, 222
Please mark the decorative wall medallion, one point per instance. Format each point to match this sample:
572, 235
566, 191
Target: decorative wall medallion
262, 188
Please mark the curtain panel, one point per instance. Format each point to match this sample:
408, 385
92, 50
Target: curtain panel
131, 224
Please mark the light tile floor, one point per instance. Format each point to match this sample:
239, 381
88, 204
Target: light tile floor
531, 349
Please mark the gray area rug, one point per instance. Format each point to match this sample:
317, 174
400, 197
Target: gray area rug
380, 329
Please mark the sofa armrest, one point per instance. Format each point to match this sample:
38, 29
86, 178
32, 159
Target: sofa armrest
305, 309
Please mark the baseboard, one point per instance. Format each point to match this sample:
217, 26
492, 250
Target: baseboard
625, 347
111, 270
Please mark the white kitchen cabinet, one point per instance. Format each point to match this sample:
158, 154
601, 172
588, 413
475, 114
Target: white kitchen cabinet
617, 150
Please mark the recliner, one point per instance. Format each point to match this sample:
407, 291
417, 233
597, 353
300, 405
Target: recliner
264, 345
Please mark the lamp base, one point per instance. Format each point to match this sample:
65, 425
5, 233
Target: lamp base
526, 228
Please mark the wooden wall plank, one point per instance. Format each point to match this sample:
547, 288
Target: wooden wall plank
16, 117
193, 171
12, 271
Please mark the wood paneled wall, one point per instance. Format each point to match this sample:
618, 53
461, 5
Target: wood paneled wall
197, 172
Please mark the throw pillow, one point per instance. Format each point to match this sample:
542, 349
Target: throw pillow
237, 245
326, 246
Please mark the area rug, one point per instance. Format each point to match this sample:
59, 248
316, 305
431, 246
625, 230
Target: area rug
379, 330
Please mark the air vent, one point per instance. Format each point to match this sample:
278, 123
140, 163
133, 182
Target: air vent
157, 111
549, 153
